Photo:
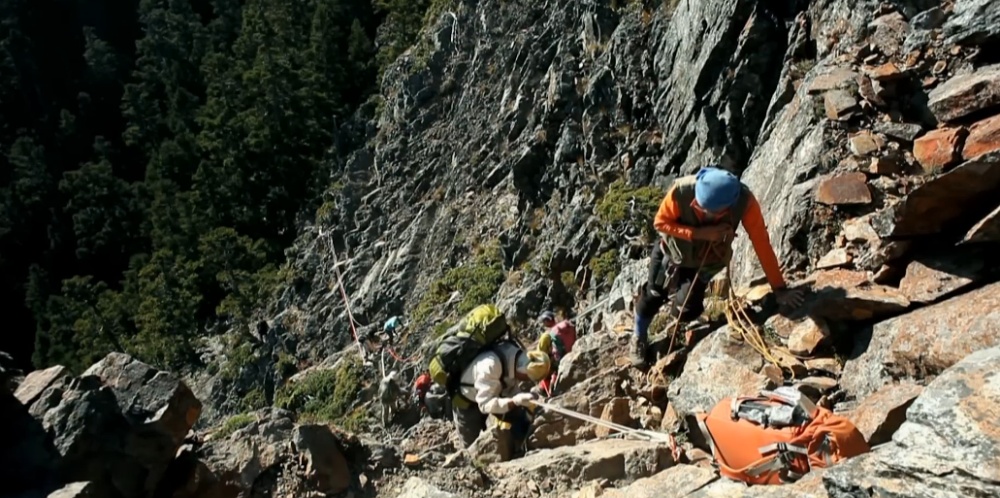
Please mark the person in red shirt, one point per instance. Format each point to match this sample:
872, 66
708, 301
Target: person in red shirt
420, 387
557, 341
697, 222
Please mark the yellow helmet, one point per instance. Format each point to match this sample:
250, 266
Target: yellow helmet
535, 364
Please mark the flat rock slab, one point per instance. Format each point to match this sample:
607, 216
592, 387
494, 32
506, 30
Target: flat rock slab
965, 94
810, 486
924, 342
844, 188
679, 480
612, 459
837, 78
903, 131
945, 199
416, 487
932, 278
939, 148
849, 295
949, 445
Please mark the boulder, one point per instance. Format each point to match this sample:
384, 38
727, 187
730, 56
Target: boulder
96, 443
553, 430
930, 278
939, 149
833, 78
903, 131
679, 480
808, 335
249, 454
984, 137
809, 486
613, 460
158, 402
924, 342
32, 387
618, 411
28, 459
325, 462
416, 487
716, 357
948, 445
973, 22
944, 199
592, 353
840, 105
966, 94
879, 416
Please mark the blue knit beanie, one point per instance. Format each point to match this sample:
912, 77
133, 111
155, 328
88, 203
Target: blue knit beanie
716, 189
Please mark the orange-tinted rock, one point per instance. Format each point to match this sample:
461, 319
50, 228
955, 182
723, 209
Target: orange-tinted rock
939, 148
926, 341
926, 281
984, 137
945, 199
986, 230
885, 72
844, 188
965, 94
880, 415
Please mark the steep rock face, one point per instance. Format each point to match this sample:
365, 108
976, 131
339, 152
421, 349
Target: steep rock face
536, 123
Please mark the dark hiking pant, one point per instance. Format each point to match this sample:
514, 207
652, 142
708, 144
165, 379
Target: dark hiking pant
469, 422
674, 284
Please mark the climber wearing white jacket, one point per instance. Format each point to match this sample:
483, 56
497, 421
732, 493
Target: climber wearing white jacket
489, 386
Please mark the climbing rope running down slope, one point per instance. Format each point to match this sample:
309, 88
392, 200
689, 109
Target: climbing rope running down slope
646, 435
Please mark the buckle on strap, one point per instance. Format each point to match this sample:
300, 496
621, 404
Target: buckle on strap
783, 448
771, 465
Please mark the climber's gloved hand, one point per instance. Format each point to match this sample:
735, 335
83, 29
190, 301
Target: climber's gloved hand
523, 399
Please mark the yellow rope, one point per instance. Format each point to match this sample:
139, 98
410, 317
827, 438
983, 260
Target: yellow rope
740, 322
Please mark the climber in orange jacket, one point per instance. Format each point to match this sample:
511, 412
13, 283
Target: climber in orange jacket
697, 222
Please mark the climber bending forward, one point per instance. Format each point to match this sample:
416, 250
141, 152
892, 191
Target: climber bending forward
697, 223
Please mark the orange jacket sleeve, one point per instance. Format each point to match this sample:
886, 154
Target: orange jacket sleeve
667, 216
753, 222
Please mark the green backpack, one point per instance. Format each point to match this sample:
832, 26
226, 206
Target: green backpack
479, 330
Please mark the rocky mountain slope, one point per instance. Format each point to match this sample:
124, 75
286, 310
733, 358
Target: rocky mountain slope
517, 154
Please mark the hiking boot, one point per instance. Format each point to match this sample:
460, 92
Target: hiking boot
637, 352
